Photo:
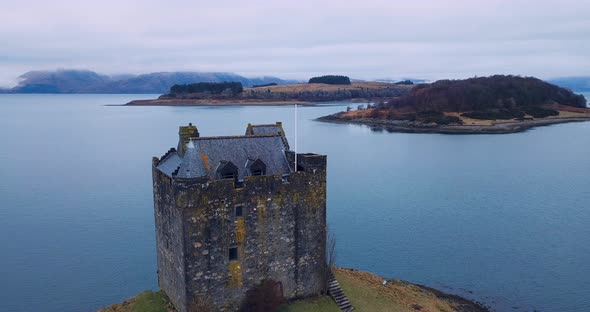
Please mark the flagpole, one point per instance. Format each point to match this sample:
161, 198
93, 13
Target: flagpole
295, 137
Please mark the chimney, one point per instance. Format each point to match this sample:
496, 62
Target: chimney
184, 135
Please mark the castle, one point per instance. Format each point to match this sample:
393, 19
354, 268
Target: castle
232, 211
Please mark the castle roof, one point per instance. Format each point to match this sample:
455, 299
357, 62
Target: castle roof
268, 129
204, 156
264, 129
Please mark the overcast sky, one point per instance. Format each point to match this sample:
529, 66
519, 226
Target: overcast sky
367, 39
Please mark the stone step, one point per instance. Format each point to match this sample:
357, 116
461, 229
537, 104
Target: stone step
338, 295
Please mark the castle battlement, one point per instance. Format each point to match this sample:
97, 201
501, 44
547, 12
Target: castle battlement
231, 211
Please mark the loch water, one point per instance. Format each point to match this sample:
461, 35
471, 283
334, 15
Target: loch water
503, 219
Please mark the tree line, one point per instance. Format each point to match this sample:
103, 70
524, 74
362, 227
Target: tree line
331, 79
228, 88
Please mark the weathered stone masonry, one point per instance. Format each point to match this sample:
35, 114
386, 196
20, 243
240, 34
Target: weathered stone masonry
232, 211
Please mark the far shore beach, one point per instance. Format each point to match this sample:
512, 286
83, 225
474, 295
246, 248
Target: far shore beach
497, 128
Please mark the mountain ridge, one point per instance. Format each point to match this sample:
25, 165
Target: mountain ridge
73, 81
79, 81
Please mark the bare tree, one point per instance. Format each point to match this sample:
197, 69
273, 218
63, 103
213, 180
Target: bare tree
330, 256
330, 248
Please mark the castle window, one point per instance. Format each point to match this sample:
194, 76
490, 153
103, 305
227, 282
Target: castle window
229, 175
257, 173
233, 253
239, 210
257, 167
227, 170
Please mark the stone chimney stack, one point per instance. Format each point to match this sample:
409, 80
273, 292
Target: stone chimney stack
184, 135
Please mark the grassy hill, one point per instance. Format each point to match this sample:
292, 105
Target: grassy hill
283, 94
365, 290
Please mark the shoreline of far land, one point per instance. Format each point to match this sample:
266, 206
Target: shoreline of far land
404, 126
242, 102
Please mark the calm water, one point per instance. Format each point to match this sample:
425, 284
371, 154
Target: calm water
503, 219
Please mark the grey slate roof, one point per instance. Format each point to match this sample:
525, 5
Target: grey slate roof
170, 163
204, 154
266, 129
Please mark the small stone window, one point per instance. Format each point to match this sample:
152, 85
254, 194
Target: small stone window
229, 175
227, 170
257, 167
239, 210
233, 253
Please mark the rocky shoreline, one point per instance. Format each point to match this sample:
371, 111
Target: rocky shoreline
406, 126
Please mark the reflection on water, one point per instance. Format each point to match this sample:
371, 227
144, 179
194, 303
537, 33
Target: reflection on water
500, 218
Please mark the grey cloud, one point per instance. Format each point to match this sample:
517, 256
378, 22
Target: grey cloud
370, 39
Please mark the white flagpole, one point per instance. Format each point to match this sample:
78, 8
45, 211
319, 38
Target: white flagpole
295, 137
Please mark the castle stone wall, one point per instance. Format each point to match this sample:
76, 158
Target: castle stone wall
280, 235
169, 239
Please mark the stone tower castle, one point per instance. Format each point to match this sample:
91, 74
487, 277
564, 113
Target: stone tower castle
231, 211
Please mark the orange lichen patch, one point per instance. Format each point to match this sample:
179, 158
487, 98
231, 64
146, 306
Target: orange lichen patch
240, 230
261, 207
235, 273
316, 198
205, 160
261, 213
182, 200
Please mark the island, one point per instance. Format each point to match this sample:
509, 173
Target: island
329, 88
486, 105
366, 291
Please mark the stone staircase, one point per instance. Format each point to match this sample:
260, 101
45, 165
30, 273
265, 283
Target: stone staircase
338, 295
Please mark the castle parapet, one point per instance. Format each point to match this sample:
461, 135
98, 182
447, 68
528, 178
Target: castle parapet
306, 161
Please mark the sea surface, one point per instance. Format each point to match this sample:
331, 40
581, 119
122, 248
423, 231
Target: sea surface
503, 219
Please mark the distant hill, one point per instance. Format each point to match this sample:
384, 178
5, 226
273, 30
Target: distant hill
497, 92
579, 84
495, 104
85, 81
